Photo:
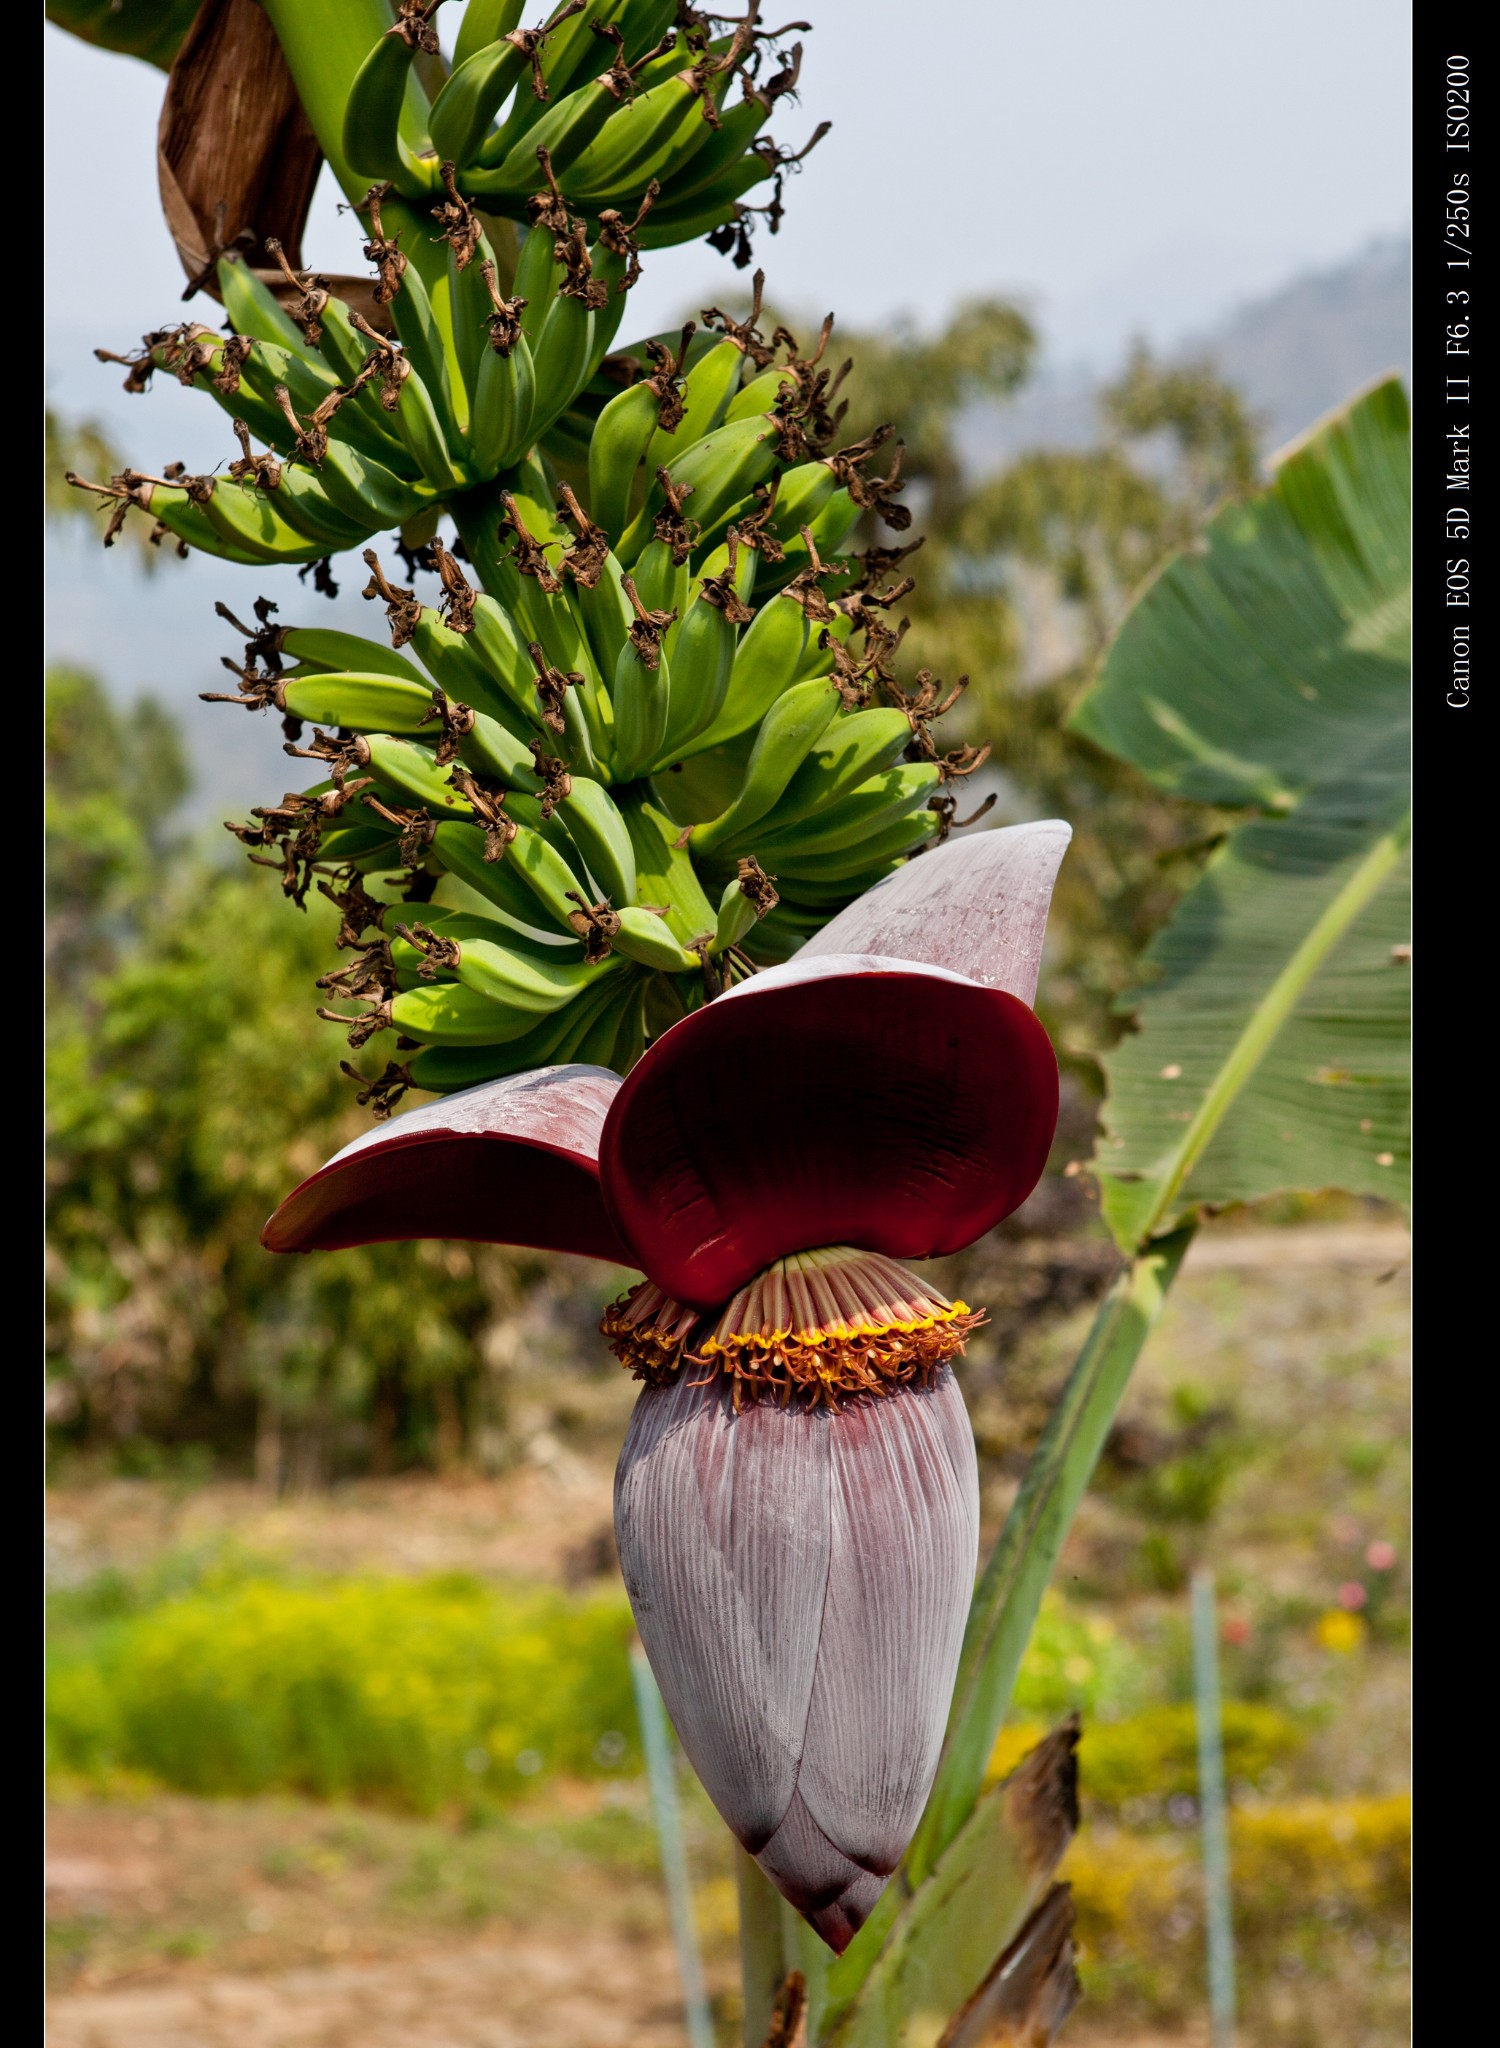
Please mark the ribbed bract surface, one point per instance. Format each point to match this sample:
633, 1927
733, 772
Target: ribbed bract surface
800, 1580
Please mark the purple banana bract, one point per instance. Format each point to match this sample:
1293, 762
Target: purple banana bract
797, 1501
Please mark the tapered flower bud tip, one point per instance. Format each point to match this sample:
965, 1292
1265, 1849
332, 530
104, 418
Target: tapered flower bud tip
800, 1576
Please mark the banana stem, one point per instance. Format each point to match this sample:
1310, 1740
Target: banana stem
325, 42
1010, 1590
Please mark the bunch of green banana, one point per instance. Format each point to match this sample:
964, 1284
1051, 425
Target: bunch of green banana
483, 354
360, 431
627, 96
650, 754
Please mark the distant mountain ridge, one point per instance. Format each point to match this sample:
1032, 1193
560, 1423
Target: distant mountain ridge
1299, 352
1294, 353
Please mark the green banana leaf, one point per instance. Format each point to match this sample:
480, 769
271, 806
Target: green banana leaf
1264, 670
151, 29
1268, 669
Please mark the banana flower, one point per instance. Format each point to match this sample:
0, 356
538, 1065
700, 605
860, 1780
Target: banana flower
797, 1501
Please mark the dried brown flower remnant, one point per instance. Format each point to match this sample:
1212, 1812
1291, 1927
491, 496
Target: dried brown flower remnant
504, 324
585, 559
552, 686
457, 220
487, 799
457, 722
646, 633
596, 924
402, 606
530, 554
381, 1095
557, 783
672, 526
384, 252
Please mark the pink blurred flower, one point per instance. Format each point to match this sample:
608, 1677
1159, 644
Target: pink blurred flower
1236, 1629
1381, 1557
1352, 1595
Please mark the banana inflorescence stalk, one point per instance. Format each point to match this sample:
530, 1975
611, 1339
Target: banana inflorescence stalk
650, 735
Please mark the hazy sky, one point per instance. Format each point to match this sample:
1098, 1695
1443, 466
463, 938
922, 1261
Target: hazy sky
1125, 165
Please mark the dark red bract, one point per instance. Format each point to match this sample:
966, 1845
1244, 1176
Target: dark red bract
846, 1100
512, 1162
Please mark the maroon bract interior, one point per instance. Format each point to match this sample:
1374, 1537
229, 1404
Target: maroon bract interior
513, 1161
902, 1110
487, 1189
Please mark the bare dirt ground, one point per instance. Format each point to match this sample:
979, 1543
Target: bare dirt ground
279, 1924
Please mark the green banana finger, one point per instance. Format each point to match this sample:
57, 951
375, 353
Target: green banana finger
707, 392
817, 660
251, 518
645, 937
604, 612
545, 872
599, 833
856, 820
369, 848
413, 773
766, 664
538, 276
664, 874
363, 488
452, 1013
701, 646
524, 982
470, 924
235, 531
384, 112
565, 130
484, 22
461, 669
738, 916
325, 648
255, 311
470, 99
758, 396
461, 850
564, 359
300, 499
640, 697
720, 470
422, 434
689, 178
856, 747
621, 436
422, 344
367, 702
504, 406
791, 728
505, 655
904, 837
490, 748
443, 1069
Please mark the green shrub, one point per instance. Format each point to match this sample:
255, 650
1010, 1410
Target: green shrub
409, 1692
1078, 1659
